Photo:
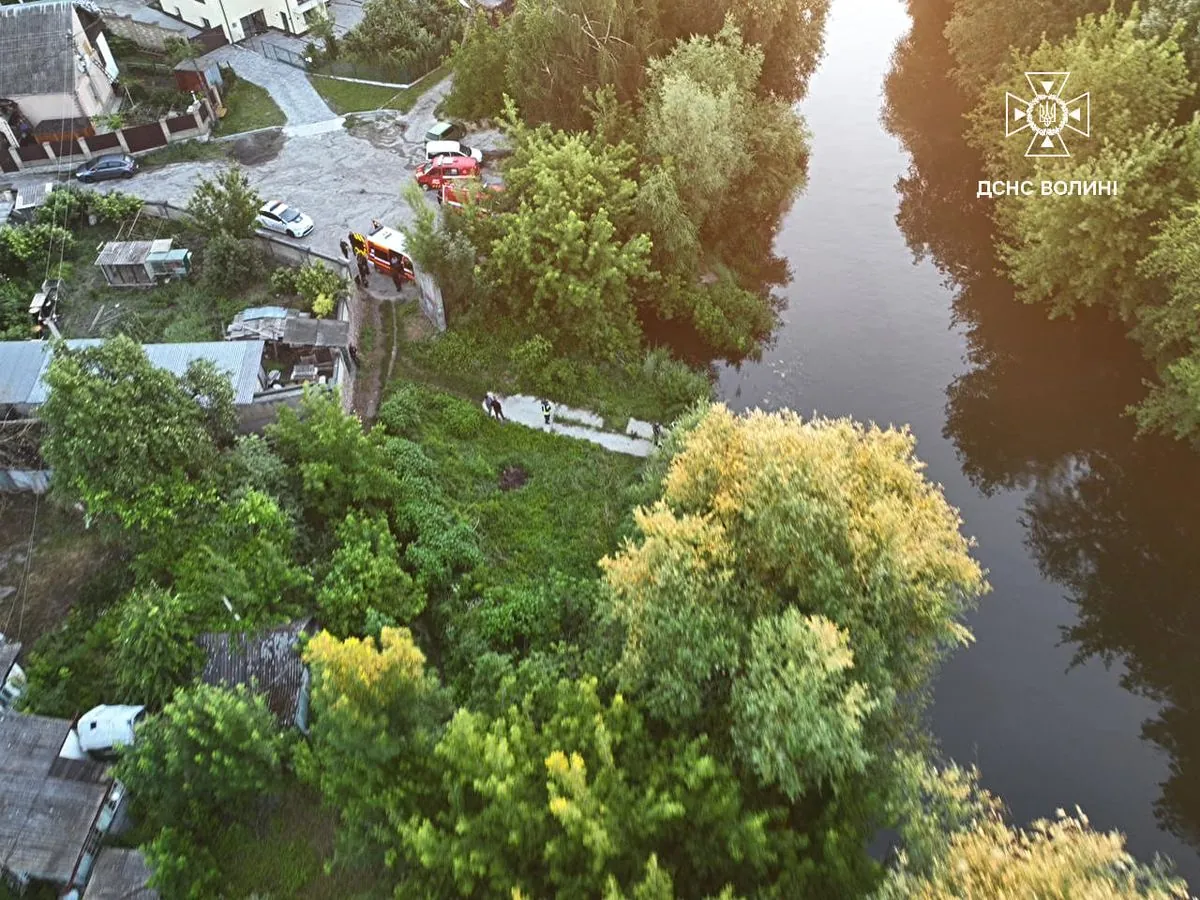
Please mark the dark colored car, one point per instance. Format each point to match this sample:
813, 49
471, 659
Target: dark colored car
104, 168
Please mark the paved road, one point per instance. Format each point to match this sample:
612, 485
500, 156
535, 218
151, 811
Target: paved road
288, 86
576, 423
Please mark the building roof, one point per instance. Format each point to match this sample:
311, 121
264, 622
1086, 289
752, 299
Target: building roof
239, 360
9, 652
287, 326
130, 253
40, 49
267, 662
119, 874
46, 809
21, 363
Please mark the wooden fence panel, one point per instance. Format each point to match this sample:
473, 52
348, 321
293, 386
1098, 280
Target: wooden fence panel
144, 137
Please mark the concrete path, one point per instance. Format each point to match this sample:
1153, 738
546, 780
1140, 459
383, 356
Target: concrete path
287, 85
577, 423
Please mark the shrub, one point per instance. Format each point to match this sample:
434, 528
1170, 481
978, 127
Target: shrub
530, 357
322, 306
230, 263
283, 281
314, 279
400, 413
458, 418
115, 206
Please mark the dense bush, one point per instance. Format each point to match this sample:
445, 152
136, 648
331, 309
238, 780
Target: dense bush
230, 263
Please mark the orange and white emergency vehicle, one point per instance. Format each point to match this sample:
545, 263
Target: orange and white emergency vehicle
386, 250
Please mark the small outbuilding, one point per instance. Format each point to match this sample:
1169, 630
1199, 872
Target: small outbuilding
268, 663
120, 874
143, 263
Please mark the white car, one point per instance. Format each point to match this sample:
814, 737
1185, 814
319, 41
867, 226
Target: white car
434, 149
278, 216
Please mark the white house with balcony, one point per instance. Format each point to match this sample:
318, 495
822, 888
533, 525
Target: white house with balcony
240, 19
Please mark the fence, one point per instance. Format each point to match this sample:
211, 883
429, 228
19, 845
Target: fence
281, 54
131, 139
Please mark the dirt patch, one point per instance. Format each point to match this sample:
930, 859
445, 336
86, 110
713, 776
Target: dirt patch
512, 478
37, 588
257, 148
370, 365
385, 131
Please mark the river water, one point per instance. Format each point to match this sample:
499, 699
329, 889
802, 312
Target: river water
1083, 686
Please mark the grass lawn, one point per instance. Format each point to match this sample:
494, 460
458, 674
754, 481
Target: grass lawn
184, 151
249, 107
348, 96
565, 516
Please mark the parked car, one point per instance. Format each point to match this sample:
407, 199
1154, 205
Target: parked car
444, 131
434, 149
438, 171
278, 216
105, 168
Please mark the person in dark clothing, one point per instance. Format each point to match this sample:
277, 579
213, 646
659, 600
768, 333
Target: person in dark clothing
546, 411
345, 249
493, 406
657, 434
364, 270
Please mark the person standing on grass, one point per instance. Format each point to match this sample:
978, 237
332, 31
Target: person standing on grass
546, 412
496, 410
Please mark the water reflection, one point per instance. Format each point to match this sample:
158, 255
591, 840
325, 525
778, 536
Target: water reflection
1112, 519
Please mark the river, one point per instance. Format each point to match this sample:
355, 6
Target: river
1083, 685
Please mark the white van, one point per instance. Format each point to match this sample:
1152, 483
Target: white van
102, 728
434, 149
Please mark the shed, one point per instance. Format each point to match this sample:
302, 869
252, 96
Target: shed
142, 263
288, 326
241, 363
120, 874
267, 662
51, 810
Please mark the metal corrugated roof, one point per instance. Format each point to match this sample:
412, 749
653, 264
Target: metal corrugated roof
267, 662
20, 365
125, 253
240, 360
39, 55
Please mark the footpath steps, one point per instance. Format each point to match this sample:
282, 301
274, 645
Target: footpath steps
577, 423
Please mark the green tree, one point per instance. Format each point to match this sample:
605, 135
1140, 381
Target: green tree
798, 712
984, 33
225, 204
377, 716
135, 444
767, 513
448, 255
242, 553
565, 262
565, 794
209, 756
479, 69
365, 573
412, 35
155, 653
1062, 857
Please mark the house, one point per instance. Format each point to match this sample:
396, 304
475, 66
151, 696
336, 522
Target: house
54, 807
23, 366
55, 79
119, 874
267, 662
143, 263
241, 19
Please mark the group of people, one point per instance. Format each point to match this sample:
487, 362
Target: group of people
492, 404
358, 244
